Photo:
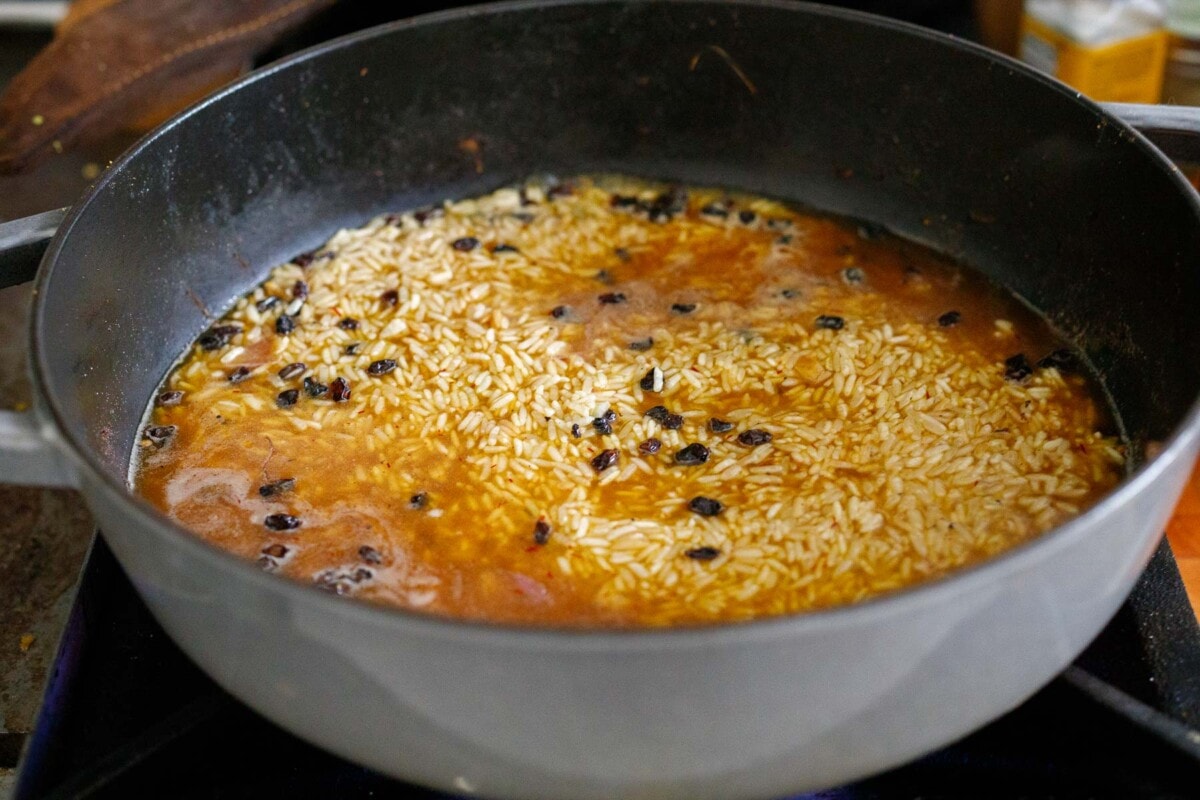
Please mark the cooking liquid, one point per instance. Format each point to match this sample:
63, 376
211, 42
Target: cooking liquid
435, 541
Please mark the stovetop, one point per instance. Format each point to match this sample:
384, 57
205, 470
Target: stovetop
128, 715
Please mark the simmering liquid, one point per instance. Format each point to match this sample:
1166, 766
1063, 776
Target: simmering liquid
611, 403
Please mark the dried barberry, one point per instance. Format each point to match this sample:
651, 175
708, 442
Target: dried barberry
673, 422
293, 370
623, 201
575, 431
277, 487
612, 298
352, 348
719, 425
314, 388
328, 581
348, 324
284, 325
715, 210
605, 459
166, 399
605, 277
692, 455
869, 231
754, 437
705, 506
281, 522
683, 308
418, 500
370, 554
390, 298
949, 319
657, 413
341, 582
382, 367
275, 550
288, 397
1061, 359
424, 214
159, 434
558, 312
466, 244
702, 553
667, 205
746, 217
830, 322
641, 345
503, 247
790, 294
1017, 368
602, 426
217, 337
304, 259
652, 381
339, 390
650, 446
299, 290
541, 531
238, 375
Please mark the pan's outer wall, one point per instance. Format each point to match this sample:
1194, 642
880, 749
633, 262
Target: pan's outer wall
936, 141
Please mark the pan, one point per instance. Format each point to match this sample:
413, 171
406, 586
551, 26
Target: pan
932, 138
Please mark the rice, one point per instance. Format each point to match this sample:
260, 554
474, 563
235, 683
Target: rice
896, 448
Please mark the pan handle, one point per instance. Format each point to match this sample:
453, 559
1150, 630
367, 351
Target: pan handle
29, 454
23, 242
1173, 129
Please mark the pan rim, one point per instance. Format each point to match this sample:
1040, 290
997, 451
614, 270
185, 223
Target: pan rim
931, 592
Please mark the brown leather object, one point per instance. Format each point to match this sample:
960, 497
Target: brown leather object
115, 64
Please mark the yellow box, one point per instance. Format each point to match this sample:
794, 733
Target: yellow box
1127, 71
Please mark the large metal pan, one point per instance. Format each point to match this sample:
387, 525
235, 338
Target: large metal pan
932, 137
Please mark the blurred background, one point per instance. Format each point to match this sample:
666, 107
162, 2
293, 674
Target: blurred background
80, 81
